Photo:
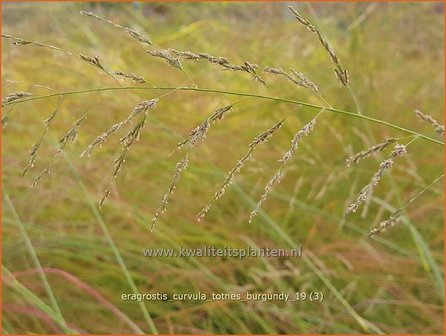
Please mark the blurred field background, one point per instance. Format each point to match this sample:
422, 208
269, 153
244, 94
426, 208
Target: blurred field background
389, 284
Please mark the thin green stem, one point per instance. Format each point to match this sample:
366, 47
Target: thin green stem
112, 244
234, 93
34, 258
421, 192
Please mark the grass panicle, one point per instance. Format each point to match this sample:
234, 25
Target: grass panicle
199, 133
180, 167
133, 33
126, 142
142, 107
365, 193
14, 96
340, 72
354, 159
133, 77
165, 54
68, 137
94, 61
395, 217
186, 55
248, 67
391, 221
195, 136
297, 78
34, 150
428, 118
304, 131
260, 139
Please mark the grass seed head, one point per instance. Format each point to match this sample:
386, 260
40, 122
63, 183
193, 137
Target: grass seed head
391, 221
14, 96
135, 78
428, 118
165, 54
368, 152
340, 72
365, 193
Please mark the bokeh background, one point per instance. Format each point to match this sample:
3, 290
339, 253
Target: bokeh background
392, 283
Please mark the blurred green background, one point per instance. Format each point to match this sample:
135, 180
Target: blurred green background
392, 283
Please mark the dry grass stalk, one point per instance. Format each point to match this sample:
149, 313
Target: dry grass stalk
393, 219
133, 33
180, 167
365, 193
340, 72
34, 150
68, 137
20, 41
14, 96
126, 142
144, 106
304, 131
428, 118
133, 77
368, 152
260, 139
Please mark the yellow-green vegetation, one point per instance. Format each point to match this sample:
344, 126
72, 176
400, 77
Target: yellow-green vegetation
66, 263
